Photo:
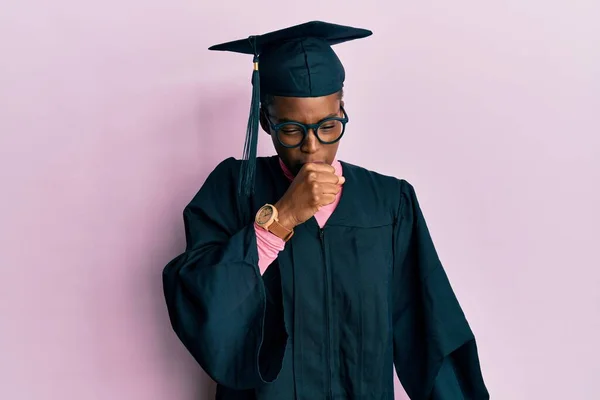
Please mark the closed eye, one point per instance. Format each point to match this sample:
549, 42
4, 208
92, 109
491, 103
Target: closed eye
291, 131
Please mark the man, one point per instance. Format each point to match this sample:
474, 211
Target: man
313, 278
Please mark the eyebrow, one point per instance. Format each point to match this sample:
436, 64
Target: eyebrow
283, 120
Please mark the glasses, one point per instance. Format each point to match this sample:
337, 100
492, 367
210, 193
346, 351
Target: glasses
292, 134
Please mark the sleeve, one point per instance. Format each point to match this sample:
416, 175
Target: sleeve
435, 353
228, 316
268, 246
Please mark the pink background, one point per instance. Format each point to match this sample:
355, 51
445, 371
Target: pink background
112, 113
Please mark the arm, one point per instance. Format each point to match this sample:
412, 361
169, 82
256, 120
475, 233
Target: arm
269, 247
435, 353
215, 294
294, 203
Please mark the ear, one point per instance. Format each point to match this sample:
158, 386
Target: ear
264, 124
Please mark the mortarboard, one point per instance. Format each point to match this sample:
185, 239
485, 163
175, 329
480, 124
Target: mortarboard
294, 62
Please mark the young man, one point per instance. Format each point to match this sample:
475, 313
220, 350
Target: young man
313, 278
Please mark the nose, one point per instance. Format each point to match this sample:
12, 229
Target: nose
311, 143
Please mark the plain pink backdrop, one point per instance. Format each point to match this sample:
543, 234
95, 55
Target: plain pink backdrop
112, 113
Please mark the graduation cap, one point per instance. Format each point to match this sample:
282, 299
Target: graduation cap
293, 62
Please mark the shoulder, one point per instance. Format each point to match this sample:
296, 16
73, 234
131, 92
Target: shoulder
228, 170
394, 193
377, 182
224, 178
218, 196
225, 168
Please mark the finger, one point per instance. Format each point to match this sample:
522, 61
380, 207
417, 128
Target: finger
329, 188
326, 199
327, 177
319, 167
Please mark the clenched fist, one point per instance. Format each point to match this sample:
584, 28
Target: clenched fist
315, 186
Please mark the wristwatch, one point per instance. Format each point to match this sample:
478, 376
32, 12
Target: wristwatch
267, 219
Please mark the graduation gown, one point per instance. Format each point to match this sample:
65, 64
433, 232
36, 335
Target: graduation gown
335, 312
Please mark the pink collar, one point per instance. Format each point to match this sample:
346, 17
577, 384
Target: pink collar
288, 174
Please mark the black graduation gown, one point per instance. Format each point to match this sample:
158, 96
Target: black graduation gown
335, 312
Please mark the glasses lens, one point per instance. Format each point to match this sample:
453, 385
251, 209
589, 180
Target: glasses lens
330, 131
291, 134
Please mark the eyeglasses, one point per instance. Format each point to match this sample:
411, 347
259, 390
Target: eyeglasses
291, 134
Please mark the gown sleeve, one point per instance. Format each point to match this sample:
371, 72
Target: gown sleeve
435, 353
228, 316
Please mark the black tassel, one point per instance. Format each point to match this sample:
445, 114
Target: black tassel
246, 184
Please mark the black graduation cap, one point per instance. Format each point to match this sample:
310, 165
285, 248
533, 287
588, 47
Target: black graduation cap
294, 62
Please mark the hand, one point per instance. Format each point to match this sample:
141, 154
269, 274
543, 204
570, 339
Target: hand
315, 186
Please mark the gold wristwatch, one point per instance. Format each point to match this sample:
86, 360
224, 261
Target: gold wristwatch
267, 219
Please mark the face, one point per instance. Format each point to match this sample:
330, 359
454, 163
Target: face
310, 110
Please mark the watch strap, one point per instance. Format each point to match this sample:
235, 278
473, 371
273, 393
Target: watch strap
280, 231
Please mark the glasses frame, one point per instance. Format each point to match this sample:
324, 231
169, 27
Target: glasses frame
306, 127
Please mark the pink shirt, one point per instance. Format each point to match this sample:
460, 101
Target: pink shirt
270, 245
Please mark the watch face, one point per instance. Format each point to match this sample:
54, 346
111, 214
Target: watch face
264, 215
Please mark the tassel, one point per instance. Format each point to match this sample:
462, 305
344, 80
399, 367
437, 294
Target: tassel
247, 175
